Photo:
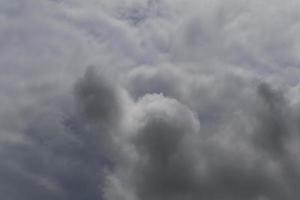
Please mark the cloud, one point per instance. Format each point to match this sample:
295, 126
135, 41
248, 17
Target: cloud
175, 159
186, 100
100, 101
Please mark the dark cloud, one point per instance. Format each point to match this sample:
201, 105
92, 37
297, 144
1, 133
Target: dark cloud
62, 156
98, 99
165, 172
176, 160
273, 118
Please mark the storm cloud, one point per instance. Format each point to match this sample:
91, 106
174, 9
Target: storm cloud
149, 100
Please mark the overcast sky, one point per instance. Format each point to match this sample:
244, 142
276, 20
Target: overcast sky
149, 100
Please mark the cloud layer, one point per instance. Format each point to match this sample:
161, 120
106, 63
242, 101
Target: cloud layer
184, 100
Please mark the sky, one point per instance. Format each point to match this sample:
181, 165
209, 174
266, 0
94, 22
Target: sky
149, 99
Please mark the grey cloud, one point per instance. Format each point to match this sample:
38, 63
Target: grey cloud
176, 160
164, 128
98, 99
150, 80
273, 119
61, 152
191, 100
166, 171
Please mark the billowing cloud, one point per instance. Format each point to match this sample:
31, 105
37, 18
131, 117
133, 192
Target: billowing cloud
164, 151
186, 100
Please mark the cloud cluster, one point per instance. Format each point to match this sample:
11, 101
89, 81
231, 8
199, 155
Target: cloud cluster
186, 100
164, 153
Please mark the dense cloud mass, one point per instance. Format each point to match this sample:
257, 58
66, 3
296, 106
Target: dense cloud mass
149, 100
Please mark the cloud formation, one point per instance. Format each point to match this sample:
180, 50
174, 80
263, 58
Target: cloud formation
186, 100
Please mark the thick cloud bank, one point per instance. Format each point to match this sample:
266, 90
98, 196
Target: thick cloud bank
184, 100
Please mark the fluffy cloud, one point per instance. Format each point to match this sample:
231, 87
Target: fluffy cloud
186, 99
162, 151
